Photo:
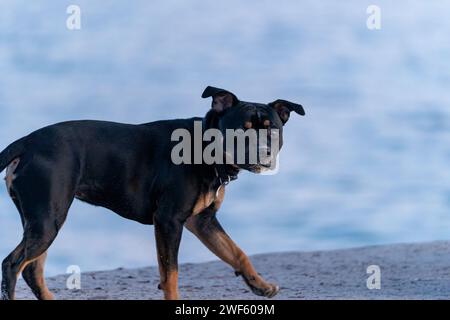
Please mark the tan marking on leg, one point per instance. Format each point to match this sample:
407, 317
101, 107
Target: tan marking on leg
10, 176
169, 284
22, 265
167, 262
34, 277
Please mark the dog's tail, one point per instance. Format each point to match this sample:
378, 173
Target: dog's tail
14, 150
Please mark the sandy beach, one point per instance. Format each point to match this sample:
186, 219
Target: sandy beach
408, 271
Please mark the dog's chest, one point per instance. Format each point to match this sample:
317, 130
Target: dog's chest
207, 199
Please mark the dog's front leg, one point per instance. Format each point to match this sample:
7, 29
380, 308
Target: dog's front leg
168, 235
208, 229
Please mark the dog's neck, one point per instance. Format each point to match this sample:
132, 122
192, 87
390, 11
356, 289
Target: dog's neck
224, 173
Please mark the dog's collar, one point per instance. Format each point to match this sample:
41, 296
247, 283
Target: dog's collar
224, 175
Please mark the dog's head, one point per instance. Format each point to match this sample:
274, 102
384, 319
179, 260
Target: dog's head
249, 120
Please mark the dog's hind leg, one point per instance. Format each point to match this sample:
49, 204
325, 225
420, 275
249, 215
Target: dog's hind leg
37, 238
10, 267
33, 275
43, 200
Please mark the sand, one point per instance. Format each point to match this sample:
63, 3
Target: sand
408, 271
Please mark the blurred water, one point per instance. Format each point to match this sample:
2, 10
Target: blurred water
367, 165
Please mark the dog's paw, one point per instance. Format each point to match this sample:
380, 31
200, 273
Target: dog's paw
271, 291
261, 288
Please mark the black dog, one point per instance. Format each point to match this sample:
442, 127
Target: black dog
128, 169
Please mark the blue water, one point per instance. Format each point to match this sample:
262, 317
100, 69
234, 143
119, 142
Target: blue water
367, 165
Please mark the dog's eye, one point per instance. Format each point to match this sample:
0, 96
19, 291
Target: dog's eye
248, 124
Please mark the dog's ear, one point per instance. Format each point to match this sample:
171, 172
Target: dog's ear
222, 99
284, 109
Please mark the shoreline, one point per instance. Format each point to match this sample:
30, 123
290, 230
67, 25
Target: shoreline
407, 271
